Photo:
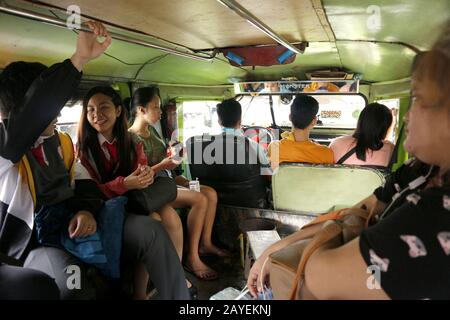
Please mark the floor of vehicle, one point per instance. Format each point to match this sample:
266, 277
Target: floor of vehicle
231, 274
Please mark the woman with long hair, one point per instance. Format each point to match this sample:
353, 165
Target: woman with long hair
119, 166
407, 248
368, 144
145, 111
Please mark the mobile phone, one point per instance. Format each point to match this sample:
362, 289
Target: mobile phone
175, 150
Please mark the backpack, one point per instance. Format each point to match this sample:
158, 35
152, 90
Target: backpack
68, 157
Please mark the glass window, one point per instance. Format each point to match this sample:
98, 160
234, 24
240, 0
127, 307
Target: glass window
393, 105
335, 111
68, 120
200, 117
256, 110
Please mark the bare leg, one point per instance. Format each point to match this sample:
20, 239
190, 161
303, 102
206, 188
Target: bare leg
177, 239
206, 244
195, 223
172, 223
141, 276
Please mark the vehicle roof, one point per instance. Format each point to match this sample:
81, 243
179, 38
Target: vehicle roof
341, 34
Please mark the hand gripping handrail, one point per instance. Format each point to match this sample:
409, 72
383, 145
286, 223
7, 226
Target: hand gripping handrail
60, 23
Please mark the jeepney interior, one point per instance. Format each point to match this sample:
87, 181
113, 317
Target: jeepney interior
344, 53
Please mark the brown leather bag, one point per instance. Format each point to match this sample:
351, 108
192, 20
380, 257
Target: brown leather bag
288, 264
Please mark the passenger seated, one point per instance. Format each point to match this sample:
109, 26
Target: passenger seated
33, 176
119, 167
145, 112
38, 203
367, 146
235, 166
408, 246
295, 146
229, 113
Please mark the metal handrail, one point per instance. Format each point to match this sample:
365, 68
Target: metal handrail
60, 23
247, 15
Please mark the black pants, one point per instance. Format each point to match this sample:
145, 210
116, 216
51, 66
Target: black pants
18, 283
144, 240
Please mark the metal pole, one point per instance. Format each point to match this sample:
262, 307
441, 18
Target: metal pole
244, 13
57, 22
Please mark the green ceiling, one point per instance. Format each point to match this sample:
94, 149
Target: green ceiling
415, 22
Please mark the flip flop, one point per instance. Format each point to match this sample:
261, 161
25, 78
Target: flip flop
203, 274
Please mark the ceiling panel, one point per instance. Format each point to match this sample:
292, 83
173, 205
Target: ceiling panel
207, 24
203, 24
416, 22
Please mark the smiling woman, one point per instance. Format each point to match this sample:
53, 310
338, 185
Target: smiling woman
102, 114
345, 54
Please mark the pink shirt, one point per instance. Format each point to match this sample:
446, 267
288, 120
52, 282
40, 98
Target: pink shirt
342, 145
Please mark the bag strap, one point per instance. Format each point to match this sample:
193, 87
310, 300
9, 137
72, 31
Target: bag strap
10, 261
26, 173
329, 232
67, 151
337, 214
346, 156
370, 217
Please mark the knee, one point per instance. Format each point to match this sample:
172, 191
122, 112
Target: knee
201, 200
31, 284
70, 274
210, 194
172, 220
142, 232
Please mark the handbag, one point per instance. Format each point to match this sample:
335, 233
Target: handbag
145, 201
287, 268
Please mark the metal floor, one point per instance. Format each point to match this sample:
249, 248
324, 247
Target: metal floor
231, 274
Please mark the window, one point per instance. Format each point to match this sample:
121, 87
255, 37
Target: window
256, 110
68, 120
393, 105
200, 117
335, 111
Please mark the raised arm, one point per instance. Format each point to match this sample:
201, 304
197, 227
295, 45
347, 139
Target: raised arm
47, 95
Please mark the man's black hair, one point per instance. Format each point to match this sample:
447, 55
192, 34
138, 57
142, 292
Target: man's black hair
303, 110
229, 112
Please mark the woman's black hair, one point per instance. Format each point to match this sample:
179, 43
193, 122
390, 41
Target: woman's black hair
88, 137
373, 124
141, 97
